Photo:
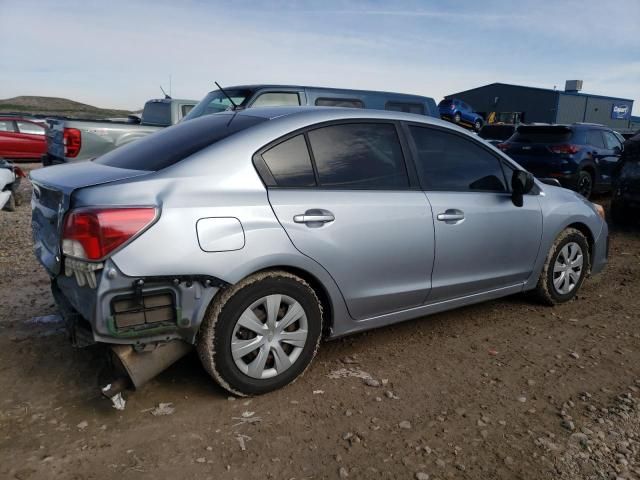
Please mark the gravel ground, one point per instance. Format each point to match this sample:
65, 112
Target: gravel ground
506, 389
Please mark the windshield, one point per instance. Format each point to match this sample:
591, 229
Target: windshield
217, 101
173, 144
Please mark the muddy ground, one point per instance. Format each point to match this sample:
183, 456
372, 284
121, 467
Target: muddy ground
507, 389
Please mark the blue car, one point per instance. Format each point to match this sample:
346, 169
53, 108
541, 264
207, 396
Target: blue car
461, 113
581, 156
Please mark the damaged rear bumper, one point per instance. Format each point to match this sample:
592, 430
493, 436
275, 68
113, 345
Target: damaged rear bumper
101, 304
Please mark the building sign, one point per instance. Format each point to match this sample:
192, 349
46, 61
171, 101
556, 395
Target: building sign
620, 111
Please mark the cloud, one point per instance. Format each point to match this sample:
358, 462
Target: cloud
115, 54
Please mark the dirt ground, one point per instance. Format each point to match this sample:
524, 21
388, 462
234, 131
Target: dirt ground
503, 390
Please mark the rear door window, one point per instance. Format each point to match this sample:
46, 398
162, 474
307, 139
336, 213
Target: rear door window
405, 107
339, 102
7, 126
157, 113
277, 99
594, 138
290, 164
448, 162
359, 156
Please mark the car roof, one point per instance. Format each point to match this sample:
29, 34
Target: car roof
337, 113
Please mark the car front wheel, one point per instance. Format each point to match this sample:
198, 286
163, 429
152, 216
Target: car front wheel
585, 184
261, 333
477, 125
565, 268
457, 118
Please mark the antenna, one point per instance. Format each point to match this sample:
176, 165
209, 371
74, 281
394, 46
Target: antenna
165, 93
169, 84
226, 95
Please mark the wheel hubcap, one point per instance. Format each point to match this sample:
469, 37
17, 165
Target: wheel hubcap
269, 336
567, 269
585, 186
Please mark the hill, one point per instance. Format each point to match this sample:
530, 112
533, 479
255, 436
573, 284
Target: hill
57, 106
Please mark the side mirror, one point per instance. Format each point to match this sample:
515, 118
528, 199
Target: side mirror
521, 184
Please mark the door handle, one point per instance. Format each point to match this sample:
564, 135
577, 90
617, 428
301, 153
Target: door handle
451, 216
314, 216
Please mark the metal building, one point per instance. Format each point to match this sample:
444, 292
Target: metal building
531, 104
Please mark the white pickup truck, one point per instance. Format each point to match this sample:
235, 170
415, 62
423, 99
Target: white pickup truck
81, 140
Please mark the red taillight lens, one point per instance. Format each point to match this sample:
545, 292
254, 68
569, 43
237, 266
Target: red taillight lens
93, 233
503, 146
72, 139
19, 172
564, 148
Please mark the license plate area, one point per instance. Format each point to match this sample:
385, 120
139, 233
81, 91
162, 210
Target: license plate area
146, 310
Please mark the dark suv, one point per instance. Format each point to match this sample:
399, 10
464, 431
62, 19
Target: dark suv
625, 205
581, 156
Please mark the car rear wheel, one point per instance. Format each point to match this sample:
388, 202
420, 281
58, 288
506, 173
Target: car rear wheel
565, 268
261, 333
585, 184
477, 125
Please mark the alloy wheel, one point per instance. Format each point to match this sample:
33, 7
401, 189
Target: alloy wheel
585, 185
269, 336
568, 268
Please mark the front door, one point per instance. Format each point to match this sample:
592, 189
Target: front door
350, 206
483, 241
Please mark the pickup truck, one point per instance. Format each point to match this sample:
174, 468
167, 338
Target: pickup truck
71, 140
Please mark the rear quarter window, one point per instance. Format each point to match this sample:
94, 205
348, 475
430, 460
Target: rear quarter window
173, 144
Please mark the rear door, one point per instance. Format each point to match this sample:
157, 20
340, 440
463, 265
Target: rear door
343, 193
611, 157
483, 241
33, 139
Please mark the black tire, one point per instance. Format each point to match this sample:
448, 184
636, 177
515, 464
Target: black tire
546, 291
217, 331
457, 117
585, 184
477, 126
10, 206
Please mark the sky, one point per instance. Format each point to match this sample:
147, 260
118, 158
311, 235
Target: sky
115, 54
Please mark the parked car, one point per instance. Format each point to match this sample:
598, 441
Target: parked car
250, 96
625, 204
497, 133
252, 234
460, 112
81, 140
10, 177
21, 138
581, 156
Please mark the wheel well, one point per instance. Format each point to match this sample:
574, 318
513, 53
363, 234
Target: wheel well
591, 170
582, 228
321, 292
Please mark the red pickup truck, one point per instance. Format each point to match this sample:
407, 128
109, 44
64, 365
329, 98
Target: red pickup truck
21, 138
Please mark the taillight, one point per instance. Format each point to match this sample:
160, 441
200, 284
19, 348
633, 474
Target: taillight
503, 146
566, 148
93, 233
19, 172
72, 139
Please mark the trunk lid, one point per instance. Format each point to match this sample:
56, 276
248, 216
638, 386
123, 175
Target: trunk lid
52, 191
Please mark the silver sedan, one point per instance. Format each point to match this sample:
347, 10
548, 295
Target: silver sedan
251, 235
